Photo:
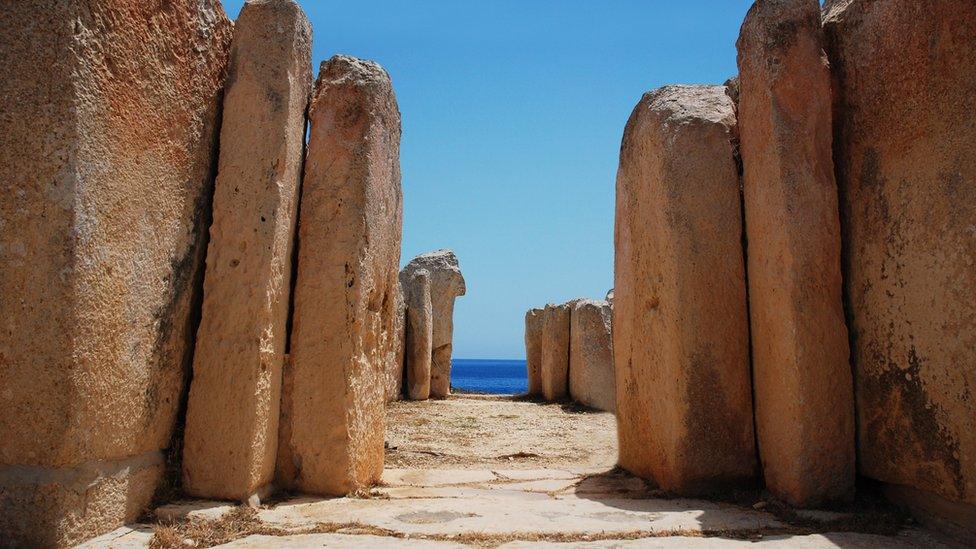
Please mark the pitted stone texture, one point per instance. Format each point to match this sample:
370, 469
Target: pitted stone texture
396, 346
334, 391
446, 284
680, 328
109, 132
533, 349
800, 358
420, 330
554, 366
231, 435
591, 379
903, 140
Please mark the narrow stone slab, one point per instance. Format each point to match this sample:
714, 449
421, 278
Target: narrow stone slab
680, 330
446, 284
232, 416
420, 331
333, 397
904, 133
800, 358
109, 138
555, 352
591, 378
533, 349
396, 345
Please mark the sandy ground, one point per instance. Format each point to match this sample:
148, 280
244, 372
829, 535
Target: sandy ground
474, 432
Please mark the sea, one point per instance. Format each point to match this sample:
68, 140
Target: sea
497, 377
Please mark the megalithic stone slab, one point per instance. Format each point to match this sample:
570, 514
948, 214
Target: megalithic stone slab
395, 346
903, 139
446, 284
804, 398
333, 399
555, 352
591, 378
533, 349
231, 435
420, 333
107, 167
680, 325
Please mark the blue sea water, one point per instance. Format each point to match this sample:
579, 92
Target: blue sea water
499, 377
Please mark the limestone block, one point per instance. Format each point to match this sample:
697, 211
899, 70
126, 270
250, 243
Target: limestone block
680, 326
231, 434
804, 398
395, 372
903, 139
591, 378
533, 349
555, 352
446, 284
334, 390
420, 333
109, 133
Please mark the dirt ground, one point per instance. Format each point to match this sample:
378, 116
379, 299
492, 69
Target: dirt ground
471, 431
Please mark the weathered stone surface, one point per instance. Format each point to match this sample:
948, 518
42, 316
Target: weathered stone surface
420, 333
591, 379
231, 435
903, 140
446, 284
680, 327
804, 398
533, 349
555, 352
333, 395
396, 347
107, 162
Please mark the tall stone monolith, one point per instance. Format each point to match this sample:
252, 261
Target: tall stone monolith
680, 325
333, 398
904, 129
533, 349
107, 162
446, 284
591, 378
554, 366
420, 333
231, 433
804, 398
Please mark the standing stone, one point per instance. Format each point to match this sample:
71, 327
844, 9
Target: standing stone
333, 398
801, 365
108, 129
680, 327
395, 350
905, 95
446, 284
591, 378
231, 435
420, 333
555, 352
533, 349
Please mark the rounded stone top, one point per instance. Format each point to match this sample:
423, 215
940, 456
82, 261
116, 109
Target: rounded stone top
347, 69
443, 266
682, 104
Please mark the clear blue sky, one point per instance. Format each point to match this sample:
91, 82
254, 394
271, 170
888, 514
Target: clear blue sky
513, 112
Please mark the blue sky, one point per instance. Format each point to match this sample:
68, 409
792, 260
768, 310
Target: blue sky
513, 112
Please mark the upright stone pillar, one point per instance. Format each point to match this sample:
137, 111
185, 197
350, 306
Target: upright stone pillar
591, 378
800, 358
533, 349
332, 422
446, 284
904, 130
107, 167
554, 365
420, 331
231, 431
680, 326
